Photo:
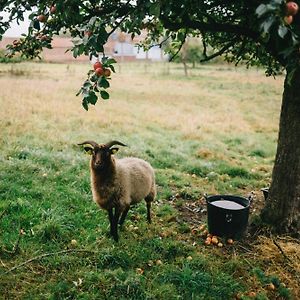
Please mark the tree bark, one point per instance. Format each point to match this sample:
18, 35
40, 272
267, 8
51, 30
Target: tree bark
282, 209
185, 68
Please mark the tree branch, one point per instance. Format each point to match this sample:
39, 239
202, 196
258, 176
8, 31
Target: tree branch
218, 53
180, 47
161, 43
212, 27
130, 9
204, 45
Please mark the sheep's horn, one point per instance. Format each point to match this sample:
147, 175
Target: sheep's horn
92, 143
112, 143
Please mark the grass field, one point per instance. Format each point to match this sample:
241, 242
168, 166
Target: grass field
212, 132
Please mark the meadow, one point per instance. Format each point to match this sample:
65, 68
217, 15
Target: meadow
213, 132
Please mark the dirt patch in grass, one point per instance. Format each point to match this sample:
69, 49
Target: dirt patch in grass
277, 257
195, 212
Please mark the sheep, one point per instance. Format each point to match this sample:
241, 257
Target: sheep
118, 183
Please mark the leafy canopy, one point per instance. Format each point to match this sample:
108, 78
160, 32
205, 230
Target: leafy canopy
256, 32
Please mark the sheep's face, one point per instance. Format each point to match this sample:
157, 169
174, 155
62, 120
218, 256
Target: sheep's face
100, 155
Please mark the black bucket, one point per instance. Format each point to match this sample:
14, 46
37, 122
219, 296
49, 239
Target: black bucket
229, 216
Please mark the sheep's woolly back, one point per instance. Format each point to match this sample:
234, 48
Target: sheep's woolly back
131, 181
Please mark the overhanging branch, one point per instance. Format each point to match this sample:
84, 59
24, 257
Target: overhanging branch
218, 53
180, 47
208, 27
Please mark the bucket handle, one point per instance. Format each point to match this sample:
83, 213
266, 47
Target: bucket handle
205, 196
228, 218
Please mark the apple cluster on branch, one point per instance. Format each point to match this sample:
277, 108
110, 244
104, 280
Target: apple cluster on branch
97, 82
291, 10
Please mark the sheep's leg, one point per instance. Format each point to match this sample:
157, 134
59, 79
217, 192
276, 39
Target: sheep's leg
115, 224
148, 211
123, 216
111, 220
149, 198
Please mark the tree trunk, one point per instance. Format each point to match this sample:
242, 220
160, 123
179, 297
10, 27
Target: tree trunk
185, 68
282, 210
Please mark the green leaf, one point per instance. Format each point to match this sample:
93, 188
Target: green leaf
98, 46
77, 41
36, 24
110, 61
290, 75
295, 39
261, 10
79, 92
282, 31
75, 52
94, 78
87, 84
92, 98
286, 52
92, 21
85, 40
85, 104
112, 68
102, 82
181, 36
104, 95
155, 9
85, 92
266, 25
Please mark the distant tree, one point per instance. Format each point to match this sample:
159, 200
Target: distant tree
194, 54
190, 53
264, 32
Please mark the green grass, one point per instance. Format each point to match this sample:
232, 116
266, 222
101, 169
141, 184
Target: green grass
199, 134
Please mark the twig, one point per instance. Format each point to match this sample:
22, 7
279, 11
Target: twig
121, 21
281, 250
182, 43
191, 210
244, 248
161, 43
47, 255
218, 53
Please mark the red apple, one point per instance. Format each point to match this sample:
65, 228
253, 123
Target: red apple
288, 20
99, 71
44, 38
53, 9
291, 8
97, 65
42, 18
88, 33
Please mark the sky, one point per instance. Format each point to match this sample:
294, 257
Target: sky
15, 29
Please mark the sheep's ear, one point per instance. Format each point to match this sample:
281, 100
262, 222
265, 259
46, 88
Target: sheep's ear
88, 148
113, 150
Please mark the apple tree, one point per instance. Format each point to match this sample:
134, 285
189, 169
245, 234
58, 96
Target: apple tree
264, 32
